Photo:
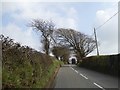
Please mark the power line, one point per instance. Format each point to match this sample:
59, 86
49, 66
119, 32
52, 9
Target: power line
107, 20
100, 27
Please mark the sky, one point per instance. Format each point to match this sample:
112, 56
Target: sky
81, 16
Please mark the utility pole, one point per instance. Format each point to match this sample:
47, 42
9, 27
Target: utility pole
96, 42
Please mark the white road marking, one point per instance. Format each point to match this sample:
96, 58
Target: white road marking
72, 68
99, 86
83, 76
76, 71
87, 78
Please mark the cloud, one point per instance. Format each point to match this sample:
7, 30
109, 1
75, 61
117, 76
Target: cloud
28, 11
108, 34
23, 12
26, 37
59, 0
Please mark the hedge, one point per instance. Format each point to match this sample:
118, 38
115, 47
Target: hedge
24, 67
107, 64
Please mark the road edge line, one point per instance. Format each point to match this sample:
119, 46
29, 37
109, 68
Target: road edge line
83, 76
98, 85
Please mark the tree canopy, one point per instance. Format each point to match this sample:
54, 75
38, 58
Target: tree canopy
81, 44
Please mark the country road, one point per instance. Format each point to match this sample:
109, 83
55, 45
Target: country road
76, 77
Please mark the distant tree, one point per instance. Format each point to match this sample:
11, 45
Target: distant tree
61, 52
46, 28
81, 44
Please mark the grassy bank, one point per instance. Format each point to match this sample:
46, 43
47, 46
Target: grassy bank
14, 79
24, 67
107, 64
49, 73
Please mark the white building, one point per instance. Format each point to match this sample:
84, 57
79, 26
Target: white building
72, 60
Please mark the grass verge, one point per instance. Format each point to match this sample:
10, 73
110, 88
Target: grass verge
49, 73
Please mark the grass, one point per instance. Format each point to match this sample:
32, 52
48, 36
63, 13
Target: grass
22, 76
45, 79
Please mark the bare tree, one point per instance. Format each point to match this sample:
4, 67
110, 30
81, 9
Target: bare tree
46, 28
81, 44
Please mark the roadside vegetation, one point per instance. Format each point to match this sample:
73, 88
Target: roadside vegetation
24, 67
107, 64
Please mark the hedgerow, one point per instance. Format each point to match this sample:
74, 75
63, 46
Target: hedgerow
24, 67
108, 64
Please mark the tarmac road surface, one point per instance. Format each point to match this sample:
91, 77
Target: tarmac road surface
72, 76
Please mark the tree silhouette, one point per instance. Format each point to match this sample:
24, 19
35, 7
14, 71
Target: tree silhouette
46, 28
80, 43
